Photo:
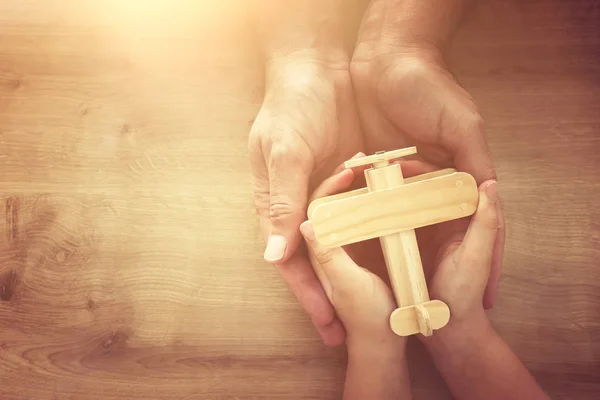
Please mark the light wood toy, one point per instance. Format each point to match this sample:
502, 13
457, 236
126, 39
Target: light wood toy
391, 208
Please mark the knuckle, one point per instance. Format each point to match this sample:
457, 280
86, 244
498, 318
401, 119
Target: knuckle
280, 149
398, 75
325, 256
473, 122
282, 210
257, 131
470, 125
261, 201
269, 134
284, 154
254, 142
359, 70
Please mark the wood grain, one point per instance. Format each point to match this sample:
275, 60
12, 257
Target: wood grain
423, 318
131, 259
384, 212
351, 193
415, 313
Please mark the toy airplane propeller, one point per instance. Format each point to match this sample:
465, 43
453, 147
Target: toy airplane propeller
391, 208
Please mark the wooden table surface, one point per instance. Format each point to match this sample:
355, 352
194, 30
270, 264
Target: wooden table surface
131, 258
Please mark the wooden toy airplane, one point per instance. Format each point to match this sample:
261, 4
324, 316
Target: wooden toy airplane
391, 208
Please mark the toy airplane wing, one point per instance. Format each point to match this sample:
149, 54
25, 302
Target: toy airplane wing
361, 215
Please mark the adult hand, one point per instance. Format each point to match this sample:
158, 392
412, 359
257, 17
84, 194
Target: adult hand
306, 126
406, 96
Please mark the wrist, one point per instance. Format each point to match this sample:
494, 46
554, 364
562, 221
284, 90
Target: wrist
298, 31
306, 72
419, 23
391, 54
366, 349
461, 338
307, 61
377, 369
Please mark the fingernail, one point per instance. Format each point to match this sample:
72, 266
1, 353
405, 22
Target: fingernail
490, 192
308, 231
357, 155
275, 248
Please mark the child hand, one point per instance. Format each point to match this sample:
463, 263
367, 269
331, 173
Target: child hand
377, 367
460, 276
470, 355
362, 301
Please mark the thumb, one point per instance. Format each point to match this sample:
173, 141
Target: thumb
473, 156
289, 175
478, 244
336, 264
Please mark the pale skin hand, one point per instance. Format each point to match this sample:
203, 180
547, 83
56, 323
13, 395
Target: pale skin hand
474, 361
306, 126
406, 96
376, 356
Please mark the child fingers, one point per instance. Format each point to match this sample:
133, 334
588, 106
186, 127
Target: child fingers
359, 172
479, 241
334, 184
489, 297
341, 180
342, 167
336, 264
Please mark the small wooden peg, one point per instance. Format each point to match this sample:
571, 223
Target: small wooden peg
381, 158
356, 192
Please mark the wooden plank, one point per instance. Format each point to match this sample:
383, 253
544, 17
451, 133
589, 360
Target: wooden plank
411, 206
404, 321
355, 192
379, 157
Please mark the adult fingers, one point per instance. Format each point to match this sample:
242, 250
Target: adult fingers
296, 270
300, 277
489, 297
289, 174
469, 146
472, 155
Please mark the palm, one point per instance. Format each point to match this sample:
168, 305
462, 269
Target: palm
436, 245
